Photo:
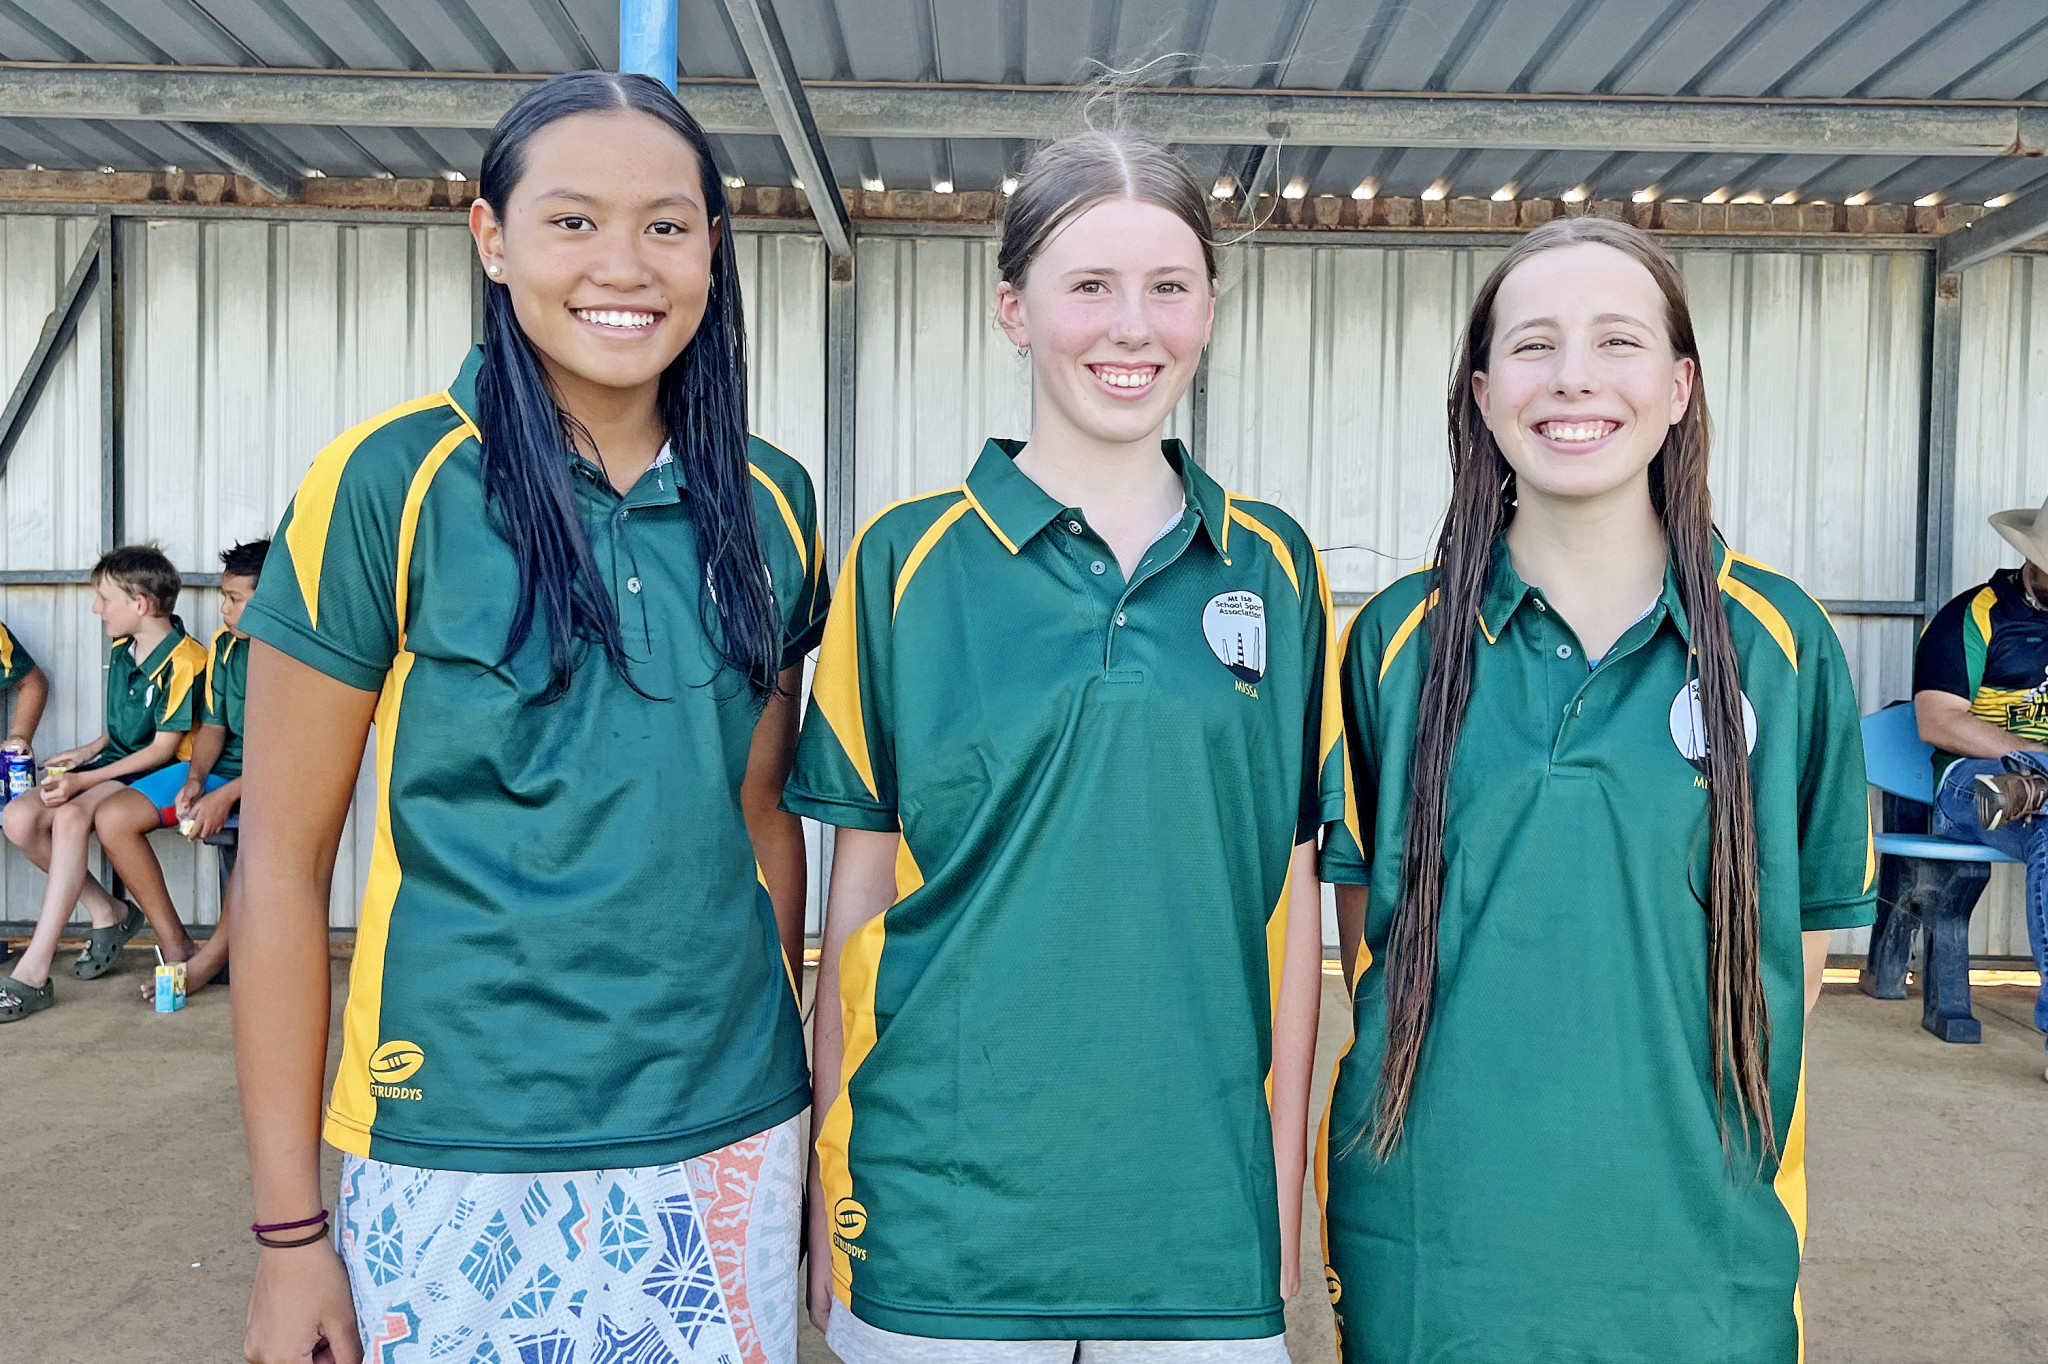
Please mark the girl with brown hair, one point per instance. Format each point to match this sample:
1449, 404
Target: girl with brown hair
1605, 804
1070, 721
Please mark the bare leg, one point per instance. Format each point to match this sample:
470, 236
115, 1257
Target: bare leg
124, 822
70, 838
205, 964
28, 823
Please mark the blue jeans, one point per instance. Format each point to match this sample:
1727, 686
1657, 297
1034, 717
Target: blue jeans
1955, 815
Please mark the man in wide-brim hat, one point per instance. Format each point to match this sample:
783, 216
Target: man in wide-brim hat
1980, 692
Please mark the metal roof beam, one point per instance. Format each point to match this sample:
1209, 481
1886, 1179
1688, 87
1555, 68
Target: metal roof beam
1997, 232
234, 151
760, 33
1212, 117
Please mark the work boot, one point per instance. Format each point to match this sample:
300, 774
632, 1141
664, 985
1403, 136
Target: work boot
2009, 797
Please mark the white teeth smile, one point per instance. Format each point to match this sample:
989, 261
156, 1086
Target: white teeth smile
612, 317
1126, 378
1577, 433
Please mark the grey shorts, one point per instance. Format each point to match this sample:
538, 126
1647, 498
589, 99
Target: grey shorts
856, 1342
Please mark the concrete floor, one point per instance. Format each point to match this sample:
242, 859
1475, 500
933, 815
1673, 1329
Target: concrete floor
124, 1202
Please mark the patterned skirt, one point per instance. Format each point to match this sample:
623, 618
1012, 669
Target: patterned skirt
694, 1263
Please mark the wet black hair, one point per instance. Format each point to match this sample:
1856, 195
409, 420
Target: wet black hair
528, 441
244, 560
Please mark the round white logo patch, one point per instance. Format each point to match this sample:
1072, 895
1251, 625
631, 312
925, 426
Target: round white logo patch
1689, 724
1234, 623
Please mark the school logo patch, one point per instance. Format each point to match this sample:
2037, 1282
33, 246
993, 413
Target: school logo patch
391, 1065
1234, 623
1689, 725
849, 1218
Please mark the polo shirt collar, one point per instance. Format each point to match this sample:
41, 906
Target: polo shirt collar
154, 663
1016, 508
1506, 592
660, 485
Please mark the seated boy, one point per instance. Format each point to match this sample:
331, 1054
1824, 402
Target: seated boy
20, 676
153, 672
203, 791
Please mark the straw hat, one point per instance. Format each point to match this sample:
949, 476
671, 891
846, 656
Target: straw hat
2028, 532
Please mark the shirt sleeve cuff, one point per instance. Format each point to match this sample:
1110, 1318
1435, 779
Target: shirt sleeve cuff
1339, 870
1860, 912
800, 644
843, 814
310, 649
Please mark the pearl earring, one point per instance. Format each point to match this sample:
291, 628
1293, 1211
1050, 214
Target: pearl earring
495, 270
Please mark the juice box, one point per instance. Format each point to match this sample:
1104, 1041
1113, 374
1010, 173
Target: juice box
170, 987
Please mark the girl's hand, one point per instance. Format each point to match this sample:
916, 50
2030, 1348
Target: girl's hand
189, 792
818, 1279
60, 788
300, 1311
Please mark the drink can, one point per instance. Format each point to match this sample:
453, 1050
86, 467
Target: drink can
21, 773
170, 987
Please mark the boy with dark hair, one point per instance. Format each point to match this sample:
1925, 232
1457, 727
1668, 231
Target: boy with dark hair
197, 796
152, 683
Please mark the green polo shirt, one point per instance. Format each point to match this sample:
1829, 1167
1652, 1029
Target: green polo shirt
15, 661
1054, 1122
1561, 1192
159, 693
565, 958
1990, 647
227, 684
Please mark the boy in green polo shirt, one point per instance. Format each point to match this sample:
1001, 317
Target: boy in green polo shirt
197, 795
153, 674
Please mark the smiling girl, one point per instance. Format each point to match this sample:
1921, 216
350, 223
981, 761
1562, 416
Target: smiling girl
1606, 802
1070, 720
574, 598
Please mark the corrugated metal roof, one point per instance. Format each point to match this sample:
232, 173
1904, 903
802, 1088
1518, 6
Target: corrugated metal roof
1917, 49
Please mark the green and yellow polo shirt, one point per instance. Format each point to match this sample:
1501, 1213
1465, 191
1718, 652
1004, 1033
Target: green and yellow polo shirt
227, 685
15, 661
158, 693
1990, 647
1561, 1192
565, 958
1053, 1118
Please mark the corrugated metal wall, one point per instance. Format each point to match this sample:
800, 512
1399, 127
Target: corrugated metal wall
252, 343
50, 499
2001, 462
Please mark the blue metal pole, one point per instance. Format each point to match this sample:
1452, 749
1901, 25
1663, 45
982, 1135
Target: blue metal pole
647, 38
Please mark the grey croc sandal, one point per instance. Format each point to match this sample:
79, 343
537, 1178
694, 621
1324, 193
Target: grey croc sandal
103, 945
18, 999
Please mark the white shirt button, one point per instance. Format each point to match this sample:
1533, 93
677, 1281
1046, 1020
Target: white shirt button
1119, 618
1074, 527
632, 584
1540, 606
1098, 567
1564, 651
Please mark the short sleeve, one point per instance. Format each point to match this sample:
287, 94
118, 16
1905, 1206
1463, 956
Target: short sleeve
327, 595
845, 773
210, 701
804, 625
1322, 767
1347, 846
178, 701
15, 661
1942, 662
1837, 855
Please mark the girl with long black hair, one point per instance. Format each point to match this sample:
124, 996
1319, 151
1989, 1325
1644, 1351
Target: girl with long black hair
1606, 803
573, 597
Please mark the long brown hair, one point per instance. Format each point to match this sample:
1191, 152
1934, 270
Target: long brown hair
1065, 179
1480, 510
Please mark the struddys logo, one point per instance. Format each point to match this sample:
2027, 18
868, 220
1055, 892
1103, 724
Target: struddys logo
391, 1065
1689, 726
849, 1220
1234, 623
